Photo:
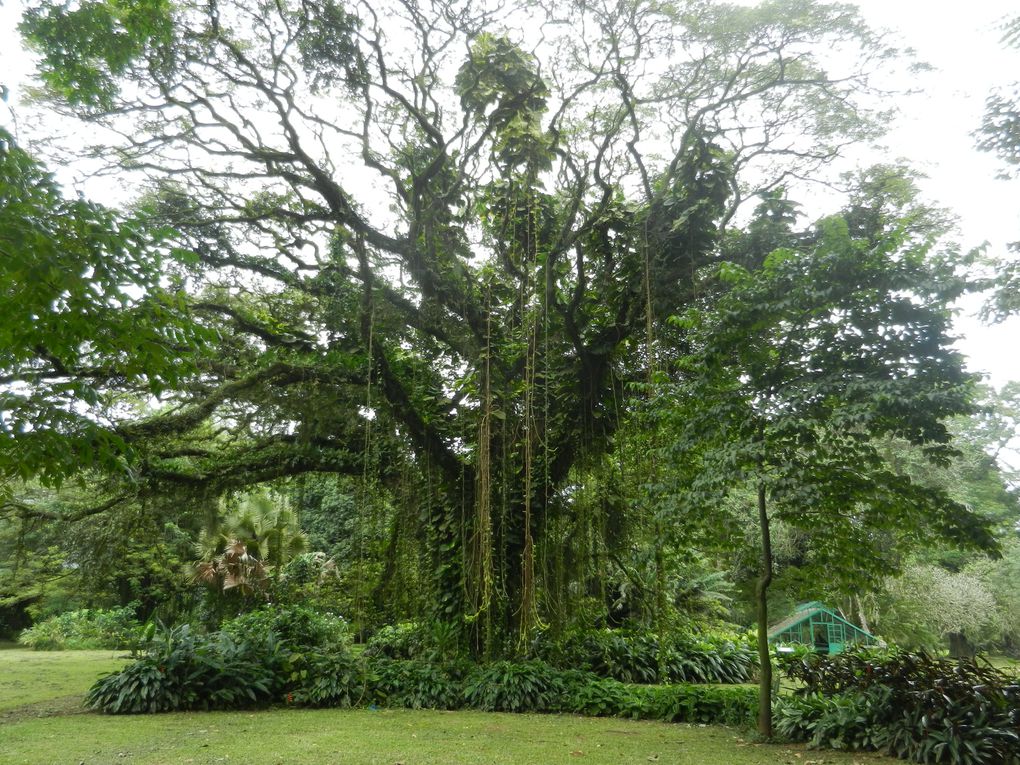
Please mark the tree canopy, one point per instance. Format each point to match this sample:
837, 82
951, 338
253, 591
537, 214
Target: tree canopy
799, 370
1000, 134
87, 319
437, 244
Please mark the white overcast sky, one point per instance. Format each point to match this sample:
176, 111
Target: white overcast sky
935, 133
962, 41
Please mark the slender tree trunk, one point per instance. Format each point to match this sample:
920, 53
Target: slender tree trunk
860, 613
764, 659
661, 602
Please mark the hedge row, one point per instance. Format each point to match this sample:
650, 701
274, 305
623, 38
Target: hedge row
630, 657
182, 670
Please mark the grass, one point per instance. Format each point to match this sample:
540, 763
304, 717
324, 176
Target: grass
1005, 663
36, 729
31, 678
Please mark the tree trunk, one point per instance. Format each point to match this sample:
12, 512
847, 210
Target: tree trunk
764, 659
860, 614
960, 647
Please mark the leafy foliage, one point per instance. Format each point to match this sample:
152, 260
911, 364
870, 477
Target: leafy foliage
85, 313
644, 658
999, 133
397, 641
670, 703
506, 686
182, 670
913, 706
830, 369
417, 684
854, 721
927, 603
86, 49
335, 679
602, 698
800, 368
1000, 129
434, 641
93, 628
296, 627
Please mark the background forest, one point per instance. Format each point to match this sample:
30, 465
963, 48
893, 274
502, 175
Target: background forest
500, 323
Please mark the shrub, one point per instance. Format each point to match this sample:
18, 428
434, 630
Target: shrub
397, 641
86, 628
643, 658
929, 710
704, 704
142, 686
296, 626
505, 686
181, 670
603, 697
431, 641
335, 679
613, 654
669, 703
709, 659
853, 721
417, 684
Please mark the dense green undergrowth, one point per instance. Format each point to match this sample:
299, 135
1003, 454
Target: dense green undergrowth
85, 629
185, 671
909, 705
294, 656
38, 727
627, 656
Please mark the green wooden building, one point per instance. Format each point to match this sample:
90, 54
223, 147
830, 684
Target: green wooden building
815, 625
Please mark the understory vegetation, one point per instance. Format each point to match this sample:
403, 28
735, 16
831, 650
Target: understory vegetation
41, 722
292, 656
86, 628
909, 705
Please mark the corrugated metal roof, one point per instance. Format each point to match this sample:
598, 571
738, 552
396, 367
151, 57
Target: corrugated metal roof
789, 621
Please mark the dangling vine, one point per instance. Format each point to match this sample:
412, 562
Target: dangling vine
366, 521
482, 542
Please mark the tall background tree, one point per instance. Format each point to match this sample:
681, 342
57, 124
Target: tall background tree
1000, 133
799, 371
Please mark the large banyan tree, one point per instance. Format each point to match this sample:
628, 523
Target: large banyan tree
433, 242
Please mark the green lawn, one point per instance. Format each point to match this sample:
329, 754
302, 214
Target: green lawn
1005, 663
43, 723
46, 678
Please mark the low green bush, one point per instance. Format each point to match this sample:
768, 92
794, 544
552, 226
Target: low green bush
182, 670
416, 684
643, 658
910, 705
405, 640
506, 686
853, 721
710, 659
436, 642
335, 679
295, 626
603, 697
696, 703
86, 628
